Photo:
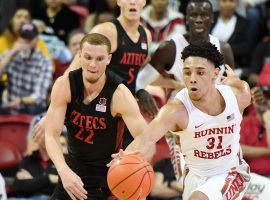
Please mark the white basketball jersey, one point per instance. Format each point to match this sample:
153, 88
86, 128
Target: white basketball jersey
210, 144
180, 44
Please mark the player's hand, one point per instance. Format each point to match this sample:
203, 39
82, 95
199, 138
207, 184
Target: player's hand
229, 75
73, 184
147, 103
119, 155
39, 132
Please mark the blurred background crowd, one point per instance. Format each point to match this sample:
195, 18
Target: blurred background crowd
33, 55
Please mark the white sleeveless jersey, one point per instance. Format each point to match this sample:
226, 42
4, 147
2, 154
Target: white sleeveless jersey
181, 43
210, 144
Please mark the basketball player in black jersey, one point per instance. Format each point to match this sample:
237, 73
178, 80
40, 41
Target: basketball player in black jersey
91, 102
199, 20
130, 43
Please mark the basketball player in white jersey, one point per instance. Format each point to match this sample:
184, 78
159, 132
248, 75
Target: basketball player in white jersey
167, 59
208, 117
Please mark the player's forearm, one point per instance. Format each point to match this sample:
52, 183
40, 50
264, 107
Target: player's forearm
237, 83
54, 150
145, 77
168, 83
140, 144
254, 152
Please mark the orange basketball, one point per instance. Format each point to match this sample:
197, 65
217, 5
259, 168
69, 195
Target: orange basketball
130, 177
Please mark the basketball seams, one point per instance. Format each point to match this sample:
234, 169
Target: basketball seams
111, 169
127, 177
130, 177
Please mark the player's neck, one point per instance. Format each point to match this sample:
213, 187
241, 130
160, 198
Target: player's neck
128, 25
92, 90
213, 98
192, 37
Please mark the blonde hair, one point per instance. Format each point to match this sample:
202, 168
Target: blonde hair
96, 39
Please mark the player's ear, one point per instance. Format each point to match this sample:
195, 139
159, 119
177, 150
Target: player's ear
118, 2
144, 3
217, 70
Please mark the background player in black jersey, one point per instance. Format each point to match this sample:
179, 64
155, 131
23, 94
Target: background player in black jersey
129, 47
92, 102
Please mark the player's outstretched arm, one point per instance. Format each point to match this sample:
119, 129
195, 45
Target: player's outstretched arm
53, 126
171, 115
240, 88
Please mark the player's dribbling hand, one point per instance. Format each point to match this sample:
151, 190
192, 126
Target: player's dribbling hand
73, 184
120, 154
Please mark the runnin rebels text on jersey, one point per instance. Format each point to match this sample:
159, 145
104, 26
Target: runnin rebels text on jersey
211, 140
129, 56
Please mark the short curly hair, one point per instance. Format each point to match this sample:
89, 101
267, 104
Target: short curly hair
205, 50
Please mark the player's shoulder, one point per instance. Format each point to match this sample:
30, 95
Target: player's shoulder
167, 46
105, 28
175, 107
122, 92
62, 83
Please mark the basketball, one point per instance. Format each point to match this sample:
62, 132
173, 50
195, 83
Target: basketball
130, 177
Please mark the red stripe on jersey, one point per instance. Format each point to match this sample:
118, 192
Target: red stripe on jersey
119, 137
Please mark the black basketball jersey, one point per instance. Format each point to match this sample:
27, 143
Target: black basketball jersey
129, 56
93, 133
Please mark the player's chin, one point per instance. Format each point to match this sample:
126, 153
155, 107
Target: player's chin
194, 96
91, 79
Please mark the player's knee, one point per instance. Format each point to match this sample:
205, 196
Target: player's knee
197, 195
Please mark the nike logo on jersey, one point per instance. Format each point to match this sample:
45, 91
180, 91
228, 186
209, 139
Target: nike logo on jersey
199, 125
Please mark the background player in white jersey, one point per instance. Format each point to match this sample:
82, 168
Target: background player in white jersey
208, 117
166, 59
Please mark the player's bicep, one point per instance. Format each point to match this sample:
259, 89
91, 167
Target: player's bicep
129, 110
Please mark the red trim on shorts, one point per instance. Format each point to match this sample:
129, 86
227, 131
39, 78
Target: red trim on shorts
233, 186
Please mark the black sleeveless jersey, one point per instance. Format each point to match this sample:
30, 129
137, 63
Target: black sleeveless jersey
93, 133
129, 56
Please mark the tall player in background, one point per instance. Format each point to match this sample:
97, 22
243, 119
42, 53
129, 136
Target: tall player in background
167, 58
207, 117
130, 43
93, 111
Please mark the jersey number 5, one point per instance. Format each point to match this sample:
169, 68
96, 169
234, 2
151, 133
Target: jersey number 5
131, 75
211, 142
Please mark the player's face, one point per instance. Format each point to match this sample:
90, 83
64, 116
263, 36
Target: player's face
199, 19
199, 76
131, 9
94, 59
228, 7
